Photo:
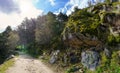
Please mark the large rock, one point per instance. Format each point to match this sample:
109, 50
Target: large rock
90, 59
10, 57
77, 39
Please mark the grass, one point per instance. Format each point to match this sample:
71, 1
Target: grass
6, 65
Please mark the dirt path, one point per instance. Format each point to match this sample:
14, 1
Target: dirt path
25, 64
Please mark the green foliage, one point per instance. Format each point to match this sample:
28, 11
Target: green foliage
7, 31
107, 1
49, 33
113, 40
4, 49
84, 22
12, 40
104, 64
72, 69
34, 50
115, 58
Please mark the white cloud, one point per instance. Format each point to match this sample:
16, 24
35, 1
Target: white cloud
69, 6
27, 9
36, 1
52, 2
79, 3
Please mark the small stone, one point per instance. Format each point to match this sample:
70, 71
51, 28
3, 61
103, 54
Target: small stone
54, 56
107, 53
80, 70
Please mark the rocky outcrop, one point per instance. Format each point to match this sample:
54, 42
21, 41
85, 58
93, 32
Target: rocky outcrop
92, 29
112, 20
78, 40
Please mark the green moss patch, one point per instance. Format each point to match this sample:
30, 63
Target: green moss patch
6, 65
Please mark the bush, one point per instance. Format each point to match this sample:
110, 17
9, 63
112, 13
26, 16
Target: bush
113, 41
34, 50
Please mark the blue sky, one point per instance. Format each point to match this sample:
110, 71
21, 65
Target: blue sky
47, 6
59, 5
65, 6
13, 12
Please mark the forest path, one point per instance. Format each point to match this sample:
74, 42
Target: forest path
26, 64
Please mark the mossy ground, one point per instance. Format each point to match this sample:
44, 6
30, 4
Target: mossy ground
6, 65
